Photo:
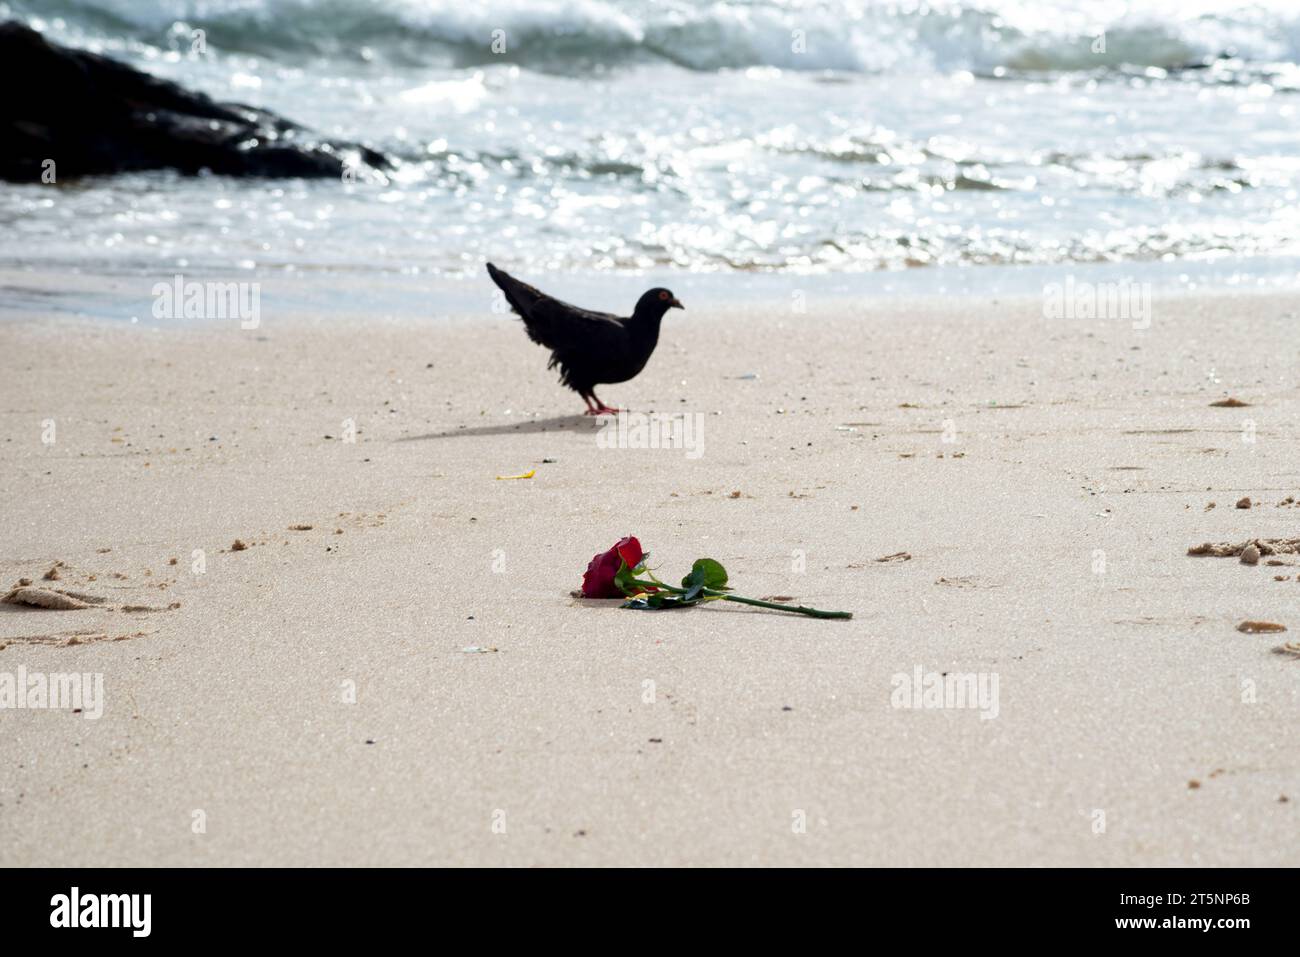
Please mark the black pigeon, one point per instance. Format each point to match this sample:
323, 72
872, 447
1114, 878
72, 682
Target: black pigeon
589, 347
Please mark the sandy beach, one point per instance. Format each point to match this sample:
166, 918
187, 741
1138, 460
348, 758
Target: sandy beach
393, 668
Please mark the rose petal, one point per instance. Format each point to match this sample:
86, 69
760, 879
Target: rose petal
598, 580
629, 549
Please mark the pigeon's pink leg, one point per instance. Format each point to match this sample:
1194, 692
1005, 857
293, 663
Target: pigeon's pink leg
591, 409
602, 408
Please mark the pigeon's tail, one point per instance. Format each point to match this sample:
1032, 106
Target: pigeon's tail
521, 296
524, 301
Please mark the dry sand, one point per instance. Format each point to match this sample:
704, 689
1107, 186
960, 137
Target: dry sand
1046, 478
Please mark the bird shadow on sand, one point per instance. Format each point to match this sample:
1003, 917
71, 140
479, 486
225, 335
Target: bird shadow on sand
581, 424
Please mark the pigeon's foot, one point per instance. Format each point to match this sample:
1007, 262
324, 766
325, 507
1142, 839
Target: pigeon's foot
602, 408
595, 406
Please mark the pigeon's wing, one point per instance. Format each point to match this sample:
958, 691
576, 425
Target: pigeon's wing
558, 325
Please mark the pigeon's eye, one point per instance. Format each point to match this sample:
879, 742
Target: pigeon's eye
663, 295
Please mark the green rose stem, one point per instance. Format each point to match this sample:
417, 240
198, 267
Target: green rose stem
801, 609
714, 593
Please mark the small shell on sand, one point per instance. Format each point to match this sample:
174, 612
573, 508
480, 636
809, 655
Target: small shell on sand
1250, 555
1260, 627
1243, 502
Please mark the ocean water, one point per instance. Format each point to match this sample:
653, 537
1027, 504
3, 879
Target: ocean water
687, 136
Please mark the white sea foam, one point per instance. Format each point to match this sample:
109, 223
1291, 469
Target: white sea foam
874, 35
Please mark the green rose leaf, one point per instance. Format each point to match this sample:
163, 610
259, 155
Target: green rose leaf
706, 573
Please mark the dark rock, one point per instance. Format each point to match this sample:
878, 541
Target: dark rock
93, 115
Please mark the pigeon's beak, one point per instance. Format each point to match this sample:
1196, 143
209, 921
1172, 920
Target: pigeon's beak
675, 305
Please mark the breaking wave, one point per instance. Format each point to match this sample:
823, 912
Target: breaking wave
562, 36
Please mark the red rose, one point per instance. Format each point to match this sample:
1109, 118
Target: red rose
598, 582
